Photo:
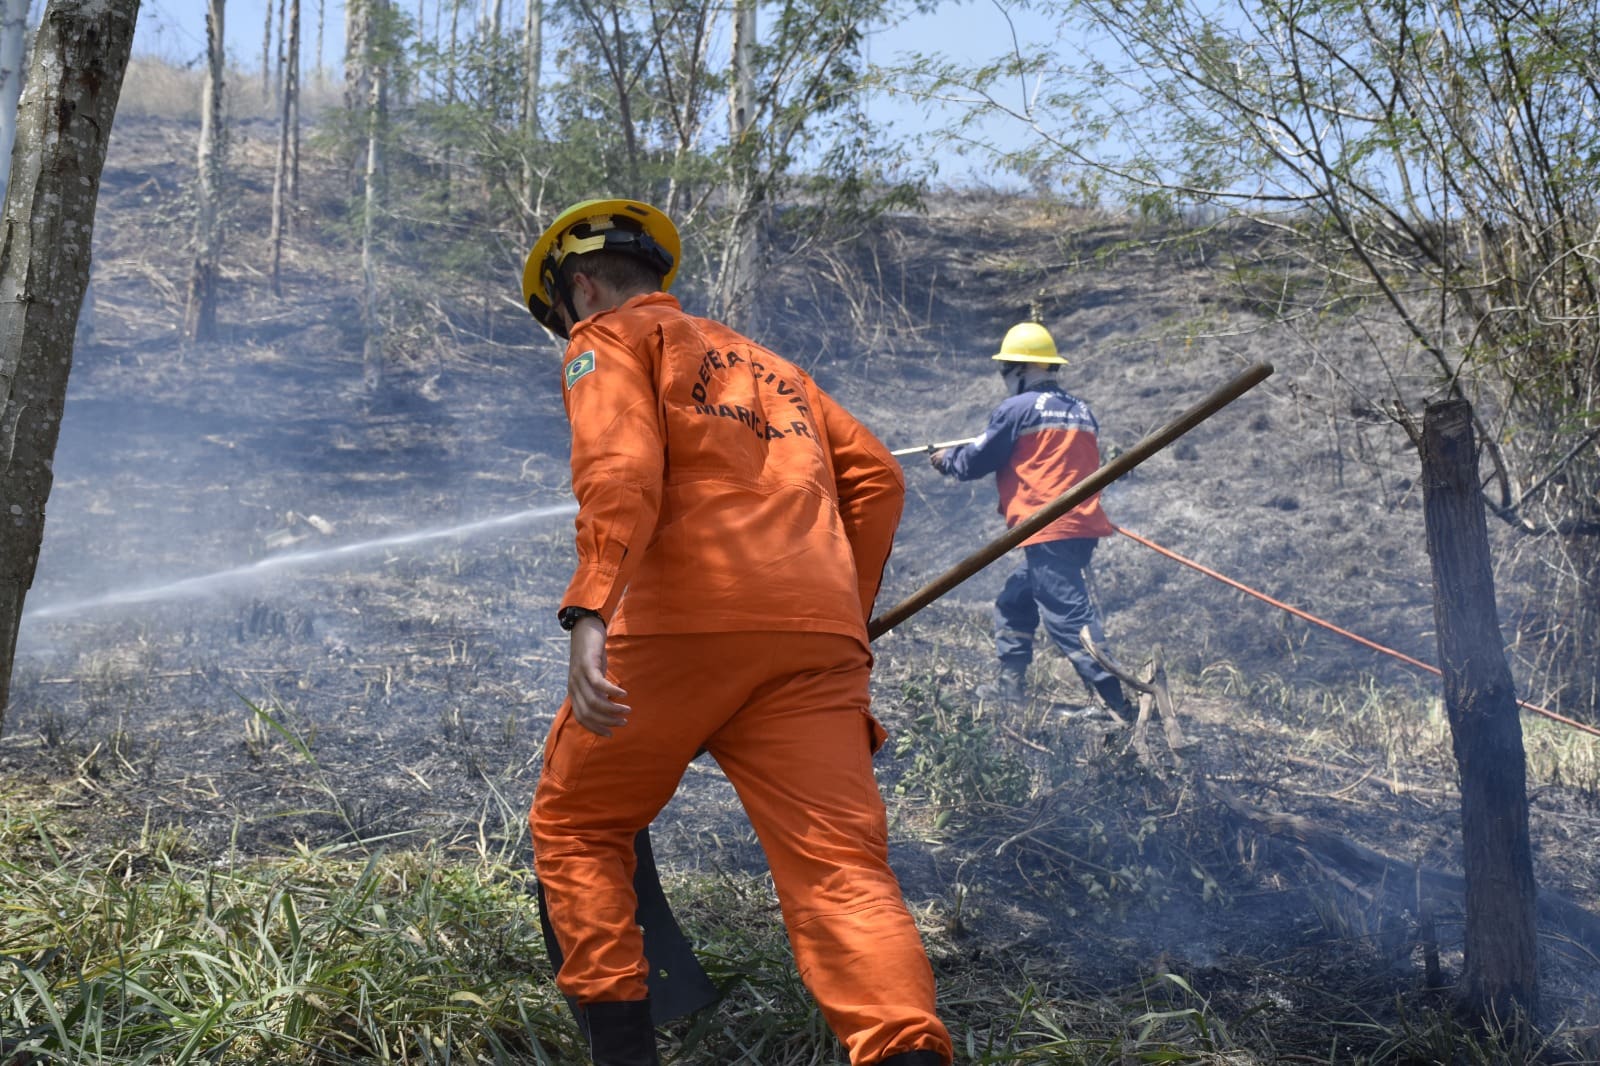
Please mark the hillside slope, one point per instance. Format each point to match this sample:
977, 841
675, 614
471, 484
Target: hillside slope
239, 535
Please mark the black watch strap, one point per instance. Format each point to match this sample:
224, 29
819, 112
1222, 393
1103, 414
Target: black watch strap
568, 616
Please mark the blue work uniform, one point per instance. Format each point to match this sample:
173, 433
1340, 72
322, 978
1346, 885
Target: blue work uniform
1038, 444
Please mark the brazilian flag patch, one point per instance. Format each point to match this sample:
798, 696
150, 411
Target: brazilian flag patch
581, 366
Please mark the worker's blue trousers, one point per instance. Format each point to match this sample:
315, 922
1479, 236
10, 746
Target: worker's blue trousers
1049, 587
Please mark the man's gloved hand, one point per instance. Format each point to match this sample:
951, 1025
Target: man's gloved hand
592, 693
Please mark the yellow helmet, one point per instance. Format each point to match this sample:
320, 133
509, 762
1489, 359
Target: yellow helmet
617, 225
1029, 342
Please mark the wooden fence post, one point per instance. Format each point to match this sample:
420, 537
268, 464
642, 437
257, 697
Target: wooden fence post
1499, 975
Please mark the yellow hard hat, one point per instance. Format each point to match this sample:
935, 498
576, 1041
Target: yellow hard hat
1029, 342
615, 225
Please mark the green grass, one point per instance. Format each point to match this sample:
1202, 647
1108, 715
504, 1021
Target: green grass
432, 955
318, 956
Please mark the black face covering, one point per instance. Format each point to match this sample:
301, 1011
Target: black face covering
1014, 375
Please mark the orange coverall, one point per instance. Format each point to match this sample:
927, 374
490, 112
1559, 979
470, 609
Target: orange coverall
733, 525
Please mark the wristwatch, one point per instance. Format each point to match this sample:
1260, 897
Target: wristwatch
568, 616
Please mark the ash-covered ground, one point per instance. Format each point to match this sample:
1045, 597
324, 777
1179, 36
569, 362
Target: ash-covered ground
275, 610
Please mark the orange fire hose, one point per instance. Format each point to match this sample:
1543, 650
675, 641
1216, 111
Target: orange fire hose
1314, 620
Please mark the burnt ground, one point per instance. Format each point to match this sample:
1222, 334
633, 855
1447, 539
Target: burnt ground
280, 665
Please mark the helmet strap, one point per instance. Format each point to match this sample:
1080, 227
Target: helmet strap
561, 292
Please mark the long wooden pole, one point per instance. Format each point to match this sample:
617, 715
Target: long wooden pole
679, 986
1076, 495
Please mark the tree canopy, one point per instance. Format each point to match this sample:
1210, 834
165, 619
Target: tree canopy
632, 98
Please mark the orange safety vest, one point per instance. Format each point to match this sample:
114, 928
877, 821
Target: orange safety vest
1038, 444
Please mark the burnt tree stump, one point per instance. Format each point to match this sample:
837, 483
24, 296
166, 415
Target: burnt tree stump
1499, 973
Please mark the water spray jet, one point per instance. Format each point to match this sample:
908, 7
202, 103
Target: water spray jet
205, 584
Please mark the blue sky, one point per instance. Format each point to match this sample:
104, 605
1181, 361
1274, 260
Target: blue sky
974, 30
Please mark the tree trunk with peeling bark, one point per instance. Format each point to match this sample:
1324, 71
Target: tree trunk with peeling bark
63, 128
1500, 971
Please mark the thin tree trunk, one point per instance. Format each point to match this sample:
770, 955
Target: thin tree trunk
532, 63
743, 92
266, 55
532, 67
277, 70
1500, 967
63, 127
357, 72
496, 85
13, 42
619, 66
320, 74
738, 269
450, 98
363, 71
291, 93
422, 20
372, 345
280, 183
450, 67
200, 313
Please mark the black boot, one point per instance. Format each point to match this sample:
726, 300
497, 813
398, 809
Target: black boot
1116, 700
619, 1034
1010, 685
914, 1058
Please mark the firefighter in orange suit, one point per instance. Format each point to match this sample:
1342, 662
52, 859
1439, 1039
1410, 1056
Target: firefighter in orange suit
733, 525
